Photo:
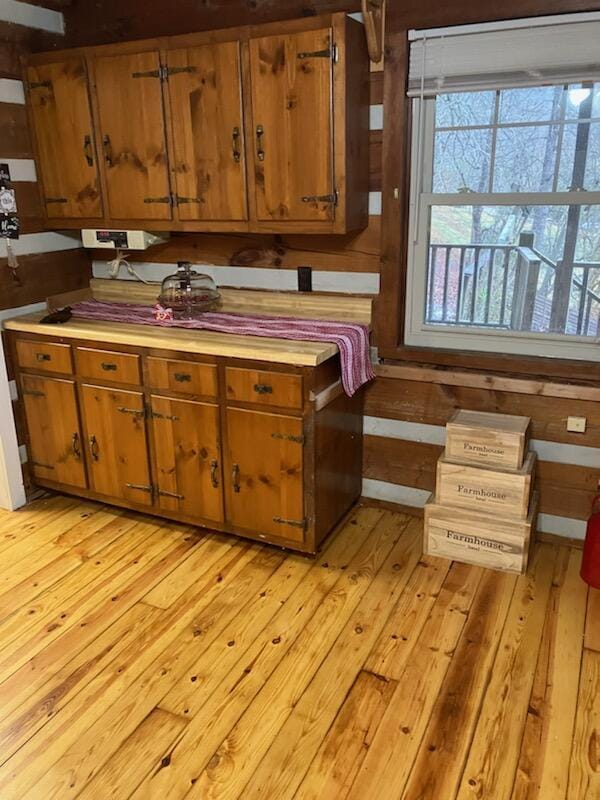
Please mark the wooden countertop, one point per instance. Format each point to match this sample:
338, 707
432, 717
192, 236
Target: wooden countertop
281, 351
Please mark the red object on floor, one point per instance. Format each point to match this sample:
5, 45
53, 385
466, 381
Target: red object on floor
590, 566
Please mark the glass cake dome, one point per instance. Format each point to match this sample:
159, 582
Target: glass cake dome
188, 292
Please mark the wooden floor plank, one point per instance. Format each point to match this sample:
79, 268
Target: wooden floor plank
264, 620
343, 750
440, 760
387, 765
239, 754
192, 665
149, 742
392, 649
494, 754
584, 779
592, 621
292, 630
298, 740
108, 728
543, 770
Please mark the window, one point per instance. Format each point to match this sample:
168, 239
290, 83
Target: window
504, 248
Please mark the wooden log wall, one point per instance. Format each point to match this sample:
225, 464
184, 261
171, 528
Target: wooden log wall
48, 262
406, 409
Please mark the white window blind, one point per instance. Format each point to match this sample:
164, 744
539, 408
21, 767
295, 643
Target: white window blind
510, 54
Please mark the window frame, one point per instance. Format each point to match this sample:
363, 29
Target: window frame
391, 303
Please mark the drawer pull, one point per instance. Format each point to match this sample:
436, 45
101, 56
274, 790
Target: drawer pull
158, 415
75, 445
214, 466
141, 487
182, 377
294, 523
43, 357
107, 366
168, 494
136, 412
93, 448
235, 477
263, 388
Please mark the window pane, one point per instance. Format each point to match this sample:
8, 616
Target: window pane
589, 155
462, 161
532, 104
515, 268
525, 158
576, 98
464, 108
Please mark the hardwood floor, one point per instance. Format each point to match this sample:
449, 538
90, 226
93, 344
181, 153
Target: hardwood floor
145, 659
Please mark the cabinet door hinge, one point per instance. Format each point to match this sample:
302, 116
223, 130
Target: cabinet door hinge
321, 198
162, 493
136, 412
151, 73
294, 523
55, 200
43, 466
168, 71
141, 487
168, 199
288, 437
328, 52
158, 415
33, 393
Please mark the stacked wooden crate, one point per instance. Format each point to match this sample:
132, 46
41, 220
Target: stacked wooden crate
484, 510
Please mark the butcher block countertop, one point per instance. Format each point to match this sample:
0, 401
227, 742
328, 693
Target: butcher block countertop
281, 351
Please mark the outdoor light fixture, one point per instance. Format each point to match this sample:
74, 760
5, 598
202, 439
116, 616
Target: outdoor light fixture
577, 96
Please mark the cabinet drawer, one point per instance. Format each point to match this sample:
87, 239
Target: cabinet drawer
44, 356
106, 365
187, 377
266, 388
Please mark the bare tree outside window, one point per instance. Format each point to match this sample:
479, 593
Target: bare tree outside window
513, 245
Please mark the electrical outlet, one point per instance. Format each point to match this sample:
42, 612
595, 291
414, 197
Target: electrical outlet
576, 424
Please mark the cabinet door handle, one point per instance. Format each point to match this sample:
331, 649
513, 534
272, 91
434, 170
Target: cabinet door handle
43, 357
182, 377
214, 466
235, 477
75, 445
235, 145
87, 150
93, 448
108, 367
260, 153
108, 158
263, 388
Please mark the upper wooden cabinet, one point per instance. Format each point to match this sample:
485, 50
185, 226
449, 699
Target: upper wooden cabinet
208, 157
132, 131
261, 128
291, 79
61, 119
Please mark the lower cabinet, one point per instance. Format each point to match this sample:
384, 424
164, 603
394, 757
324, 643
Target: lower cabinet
54, 432
272, 454
117, 445
265, 463
187, 454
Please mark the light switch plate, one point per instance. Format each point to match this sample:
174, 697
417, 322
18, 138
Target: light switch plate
576, 424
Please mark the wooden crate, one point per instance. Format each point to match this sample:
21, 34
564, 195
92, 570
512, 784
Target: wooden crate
480, 538
486, 488
478, 437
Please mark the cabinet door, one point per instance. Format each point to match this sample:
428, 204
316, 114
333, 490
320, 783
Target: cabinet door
130, 105
188, 457
115, 430
54, 430
60, 113
206, 121
265, 486
292, 123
